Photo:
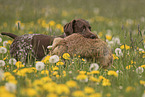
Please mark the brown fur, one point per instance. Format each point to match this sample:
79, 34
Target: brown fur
86, 48
39, 42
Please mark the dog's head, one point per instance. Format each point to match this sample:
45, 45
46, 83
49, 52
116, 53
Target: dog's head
79, 26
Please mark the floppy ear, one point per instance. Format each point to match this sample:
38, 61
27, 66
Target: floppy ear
69, 28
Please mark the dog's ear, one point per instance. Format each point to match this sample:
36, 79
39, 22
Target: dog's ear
69, 28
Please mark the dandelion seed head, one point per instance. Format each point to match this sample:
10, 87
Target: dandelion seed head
11, 87
139, 70
40, 66
54, 59
3, 50
2, 63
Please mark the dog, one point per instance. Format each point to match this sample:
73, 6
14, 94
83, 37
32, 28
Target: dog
35, 45
94, 50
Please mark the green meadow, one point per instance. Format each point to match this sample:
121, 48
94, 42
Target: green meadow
121, 23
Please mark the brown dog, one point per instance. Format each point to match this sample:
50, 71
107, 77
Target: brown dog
91, 49
35, 45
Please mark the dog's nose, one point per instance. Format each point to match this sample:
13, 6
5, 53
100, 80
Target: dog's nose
93, 36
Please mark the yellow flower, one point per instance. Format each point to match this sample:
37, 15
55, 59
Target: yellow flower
62, 88
89, 90
19, 64
112, 73
78, 94
59, 63
66, 56
30, 32
142, 82
55, 73
143, 66
81, 77
82, 72
133, 62
96, 95
108, 94
108, 37
45, 72
106, 82
51, 23
95, 72
129, 89
9, 42
94, 79
50, 87
115, 57
129, 66
58, 26
52, 95
55, 68
46, 59
71, 84
29, 92
45, 79
125, 47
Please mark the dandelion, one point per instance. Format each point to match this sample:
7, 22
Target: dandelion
55, 68
129, 66
11, 87
142, 82
78, 93
52, 95
115, 57
5, 43
125, 47
1, 74
51, 23
0, 39
95, 72
59, 63
82, 78
143, 66
118, 52
113, 73
106, 82
19, 64
108, 37
94, 67
12, 61
129, 89
46, 59
3, 50
54, 59
139, 70
62, 89
96, 95
40, 66
66, 56
71, 84
89, 90
116, 40
2, 63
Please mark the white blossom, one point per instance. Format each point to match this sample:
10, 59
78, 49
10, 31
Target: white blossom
94, 67
139, 70
40, 66
11, 87
12, 61
54, 59
3, 50
2, 63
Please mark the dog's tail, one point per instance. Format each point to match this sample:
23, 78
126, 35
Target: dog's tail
9, 34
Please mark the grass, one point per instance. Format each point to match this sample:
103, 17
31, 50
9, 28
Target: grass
123, 19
